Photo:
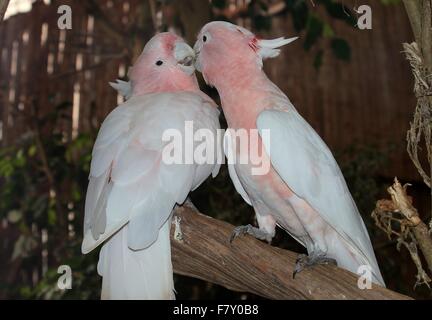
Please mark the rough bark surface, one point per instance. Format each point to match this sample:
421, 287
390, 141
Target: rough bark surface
201, 249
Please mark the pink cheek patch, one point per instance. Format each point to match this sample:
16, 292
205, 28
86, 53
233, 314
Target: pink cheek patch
253, 44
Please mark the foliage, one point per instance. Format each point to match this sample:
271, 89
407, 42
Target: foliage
390, 2
316, 27
360, 165
35, 205
305, 18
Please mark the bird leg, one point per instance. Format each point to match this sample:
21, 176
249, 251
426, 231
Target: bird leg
315, 258
251, 230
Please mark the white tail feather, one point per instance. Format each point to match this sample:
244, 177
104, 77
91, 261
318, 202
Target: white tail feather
270, 48
123, 87
137, 275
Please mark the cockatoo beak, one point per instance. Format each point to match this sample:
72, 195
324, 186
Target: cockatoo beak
197, 60
185, 57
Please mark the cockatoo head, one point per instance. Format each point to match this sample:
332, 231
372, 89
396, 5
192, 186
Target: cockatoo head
165, 65
223, 48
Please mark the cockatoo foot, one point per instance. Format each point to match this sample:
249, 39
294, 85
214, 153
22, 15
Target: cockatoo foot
304, 261
251, 230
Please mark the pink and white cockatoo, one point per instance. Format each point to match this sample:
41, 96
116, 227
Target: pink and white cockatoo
304, 191
132, 190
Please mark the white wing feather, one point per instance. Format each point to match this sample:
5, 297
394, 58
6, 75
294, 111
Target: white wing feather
230, 154
129, 183
308, 167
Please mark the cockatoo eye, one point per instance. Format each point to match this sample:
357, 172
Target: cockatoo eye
206, 37
159, 63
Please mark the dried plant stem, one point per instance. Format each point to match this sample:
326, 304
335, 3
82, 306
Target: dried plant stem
419, 228
398, 217
421, 127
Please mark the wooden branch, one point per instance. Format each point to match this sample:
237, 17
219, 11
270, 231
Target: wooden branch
413, 9
3, 7
201, 249
426, 34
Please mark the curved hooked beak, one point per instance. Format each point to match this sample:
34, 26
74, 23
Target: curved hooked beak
197, 49
185, 57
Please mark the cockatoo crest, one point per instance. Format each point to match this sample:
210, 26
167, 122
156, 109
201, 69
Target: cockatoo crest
265, 48
123, 87
270, 48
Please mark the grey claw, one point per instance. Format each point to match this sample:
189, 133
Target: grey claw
303, 262
242, 230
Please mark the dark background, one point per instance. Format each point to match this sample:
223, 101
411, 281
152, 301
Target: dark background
354, 87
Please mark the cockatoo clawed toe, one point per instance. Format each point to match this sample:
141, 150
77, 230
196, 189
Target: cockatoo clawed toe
316, 258
251, 230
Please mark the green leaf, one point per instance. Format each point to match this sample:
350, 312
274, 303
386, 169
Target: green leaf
52, 217
341, 49
262, 23
20, 160
314, 30
32, 151
299, 12
328, 31
23, 246
6, 167
389, 2
339, 11
318, 60
76, 193
220, 4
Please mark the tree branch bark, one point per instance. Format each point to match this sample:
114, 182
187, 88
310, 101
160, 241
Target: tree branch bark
426, 34
3, 7
420, 56
413, 9
201, 249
